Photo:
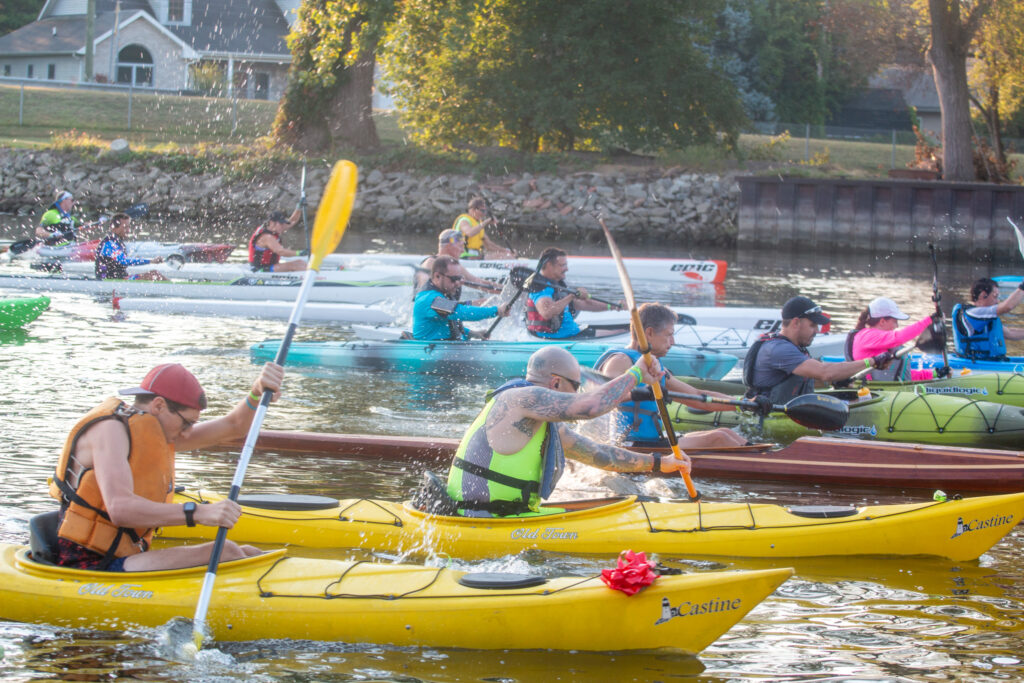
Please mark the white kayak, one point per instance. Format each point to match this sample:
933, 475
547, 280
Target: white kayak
698, 337
229, 272
313, 311
246, 289
174, 252
740, 317
580, 267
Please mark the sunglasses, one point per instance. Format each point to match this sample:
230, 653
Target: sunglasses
453, 278
186, 423
575, 384
815, 309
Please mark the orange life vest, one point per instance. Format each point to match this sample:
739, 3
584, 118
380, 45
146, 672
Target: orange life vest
151, 460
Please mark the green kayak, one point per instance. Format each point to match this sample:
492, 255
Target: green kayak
995, 387
15, 313
907, 416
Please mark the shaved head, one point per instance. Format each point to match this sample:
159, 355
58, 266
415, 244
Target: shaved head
549, 361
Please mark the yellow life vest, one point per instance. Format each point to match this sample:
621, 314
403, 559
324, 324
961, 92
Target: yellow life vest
476, 242
151, 460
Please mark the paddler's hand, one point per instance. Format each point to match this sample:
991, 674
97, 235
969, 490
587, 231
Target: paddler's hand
222, 513
503, 309
670, 463
883, 359
155, 260
582, 293
271, 377
649, 375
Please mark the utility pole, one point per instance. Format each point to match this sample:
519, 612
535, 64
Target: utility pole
90, 38
111, 69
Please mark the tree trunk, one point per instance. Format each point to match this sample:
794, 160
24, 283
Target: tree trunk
351, 110
948, 57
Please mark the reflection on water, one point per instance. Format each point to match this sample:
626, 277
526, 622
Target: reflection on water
851, 619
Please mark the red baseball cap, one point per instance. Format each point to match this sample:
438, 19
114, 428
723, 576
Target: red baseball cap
173, 382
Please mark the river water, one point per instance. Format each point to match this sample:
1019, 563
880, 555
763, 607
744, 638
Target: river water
859, 619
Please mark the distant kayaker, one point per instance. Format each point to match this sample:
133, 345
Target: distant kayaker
778, 366
471, 224
437, 314
551, 307
636, 421
115, 477
978, 332
513, 454
878, 330
266, 249
450, 243
112, 259
57, 222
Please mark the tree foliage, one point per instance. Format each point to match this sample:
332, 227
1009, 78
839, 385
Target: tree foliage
17, 13
537, 74
330, 84
996, 76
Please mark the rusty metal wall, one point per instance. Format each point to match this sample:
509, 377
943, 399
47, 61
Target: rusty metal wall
897, 216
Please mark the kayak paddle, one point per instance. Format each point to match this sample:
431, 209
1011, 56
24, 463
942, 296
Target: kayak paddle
302, 205
522, 276
1020, 237
641, 338
21, 246
814, 411
329, 226
520, 284
939, 328
826, 413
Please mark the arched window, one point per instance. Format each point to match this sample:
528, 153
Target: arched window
135, 65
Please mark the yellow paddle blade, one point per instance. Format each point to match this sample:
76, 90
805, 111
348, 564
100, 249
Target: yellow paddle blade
333, 213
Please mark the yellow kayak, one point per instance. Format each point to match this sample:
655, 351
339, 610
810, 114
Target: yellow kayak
274, 596
955, 529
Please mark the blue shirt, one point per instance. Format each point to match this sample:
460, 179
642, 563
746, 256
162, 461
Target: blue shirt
429, 326
568, 328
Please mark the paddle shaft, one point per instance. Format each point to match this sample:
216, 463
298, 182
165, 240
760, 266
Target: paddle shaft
644, 347
487, 334
331, 221
21, 246
541, 280
938, 309
203, 605
302, 205
1020, 237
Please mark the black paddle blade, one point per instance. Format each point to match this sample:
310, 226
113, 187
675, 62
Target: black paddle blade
21, 246
818, 411
137, 210
933, 338
519, 275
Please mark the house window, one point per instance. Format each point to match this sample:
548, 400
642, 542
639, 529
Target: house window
261, 86
7, 69
135, 66
30, 71
175, 11
51, 71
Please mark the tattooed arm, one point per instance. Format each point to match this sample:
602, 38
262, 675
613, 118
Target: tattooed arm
608, 457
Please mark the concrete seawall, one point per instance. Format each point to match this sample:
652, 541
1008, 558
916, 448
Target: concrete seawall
895, 216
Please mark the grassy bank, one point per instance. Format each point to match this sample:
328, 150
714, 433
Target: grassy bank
208, 131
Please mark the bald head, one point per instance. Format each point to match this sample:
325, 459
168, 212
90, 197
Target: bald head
550, 361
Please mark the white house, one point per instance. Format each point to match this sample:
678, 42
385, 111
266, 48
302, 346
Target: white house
176, 45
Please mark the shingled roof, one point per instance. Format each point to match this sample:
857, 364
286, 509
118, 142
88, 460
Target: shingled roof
218, 27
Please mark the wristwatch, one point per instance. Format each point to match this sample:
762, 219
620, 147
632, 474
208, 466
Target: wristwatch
190, 511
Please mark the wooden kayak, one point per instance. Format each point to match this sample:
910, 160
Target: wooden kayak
812, 460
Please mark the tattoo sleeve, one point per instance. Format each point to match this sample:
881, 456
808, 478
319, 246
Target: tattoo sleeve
605, 456
554, 406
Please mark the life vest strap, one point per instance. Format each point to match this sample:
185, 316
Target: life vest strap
526, 488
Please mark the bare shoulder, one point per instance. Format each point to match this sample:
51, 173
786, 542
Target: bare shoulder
616, 364
108, 437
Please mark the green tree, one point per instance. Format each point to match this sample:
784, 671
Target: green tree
329, 97
537, 74
16, 13
996, 76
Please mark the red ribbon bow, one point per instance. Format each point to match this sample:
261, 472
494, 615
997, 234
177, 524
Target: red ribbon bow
633, 573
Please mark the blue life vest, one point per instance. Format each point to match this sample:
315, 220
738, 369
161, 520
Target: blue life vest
636, 420
977, 338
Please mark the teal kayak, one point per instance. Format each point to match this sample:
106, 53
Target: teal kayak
493, 359
16, 313
905, 416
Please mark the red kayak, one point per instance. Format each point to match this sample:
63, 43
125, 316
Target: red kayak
812, 460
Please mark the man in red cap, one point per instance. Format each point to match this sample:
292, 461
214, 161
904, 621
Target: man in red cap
115, 477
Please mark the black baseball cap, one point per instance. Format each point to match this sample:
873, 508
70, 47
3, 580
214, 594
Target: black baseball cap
802, 307
278, 217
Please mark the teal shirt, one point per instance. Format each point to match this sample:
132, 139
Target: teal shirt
429, 326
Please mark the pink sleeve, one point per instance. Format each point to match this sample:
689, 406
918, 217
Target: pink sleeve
869, 342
